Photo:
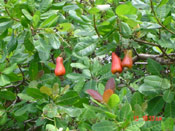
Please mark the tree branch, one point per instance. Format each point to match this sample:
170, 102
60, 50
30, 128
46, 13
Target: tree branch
157, 58
10, 15
95, 26
152, 9
153, 44
20, 82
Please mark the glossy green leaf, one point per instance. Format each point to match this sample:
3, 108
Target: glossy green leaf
126, 9
136, 99
169, 110
54, 41
27, 14
155, 106
50, 110
84, 48
70, 7
167, 124
125, 29
7, 95
36, 18
103, 126
125, 111
35, 93
168, 96
43, 49
50, 127
28, 42
45, 4
21, 111
69, 98
135, 125
50, 21
4, 80
78, 65
9, 69
113, 100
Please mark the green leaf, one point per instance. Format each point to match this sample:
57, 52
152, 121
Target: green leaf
85, 48
25, 97
92, 84
3, 119
65, 27
103, 126
9, 69
31, 5
163, 2
167, 125
27, 14
36, 18
154, 67
135, 125
166, 42
75, 76
149, 25
136, 99
46, 90
125, 29
78, 65
157, 82
126, 9
50, 127
153, 80
113, 100
45, 4
139, 4
21, 111
94, 10
79, 85
169, 110
43, 49
51, 21
151, 126
33, 69
125, 111
35, 93
50, 110
54, 41
149, 90
28, 42
70, 7
7, 95
155, 105
75, 17
69, 98
5, 25
168, 96
12, 44
4, 80
71, 111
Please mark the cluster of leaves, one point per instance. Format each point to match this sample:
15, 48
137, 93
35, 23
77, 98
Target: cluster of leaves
85, 32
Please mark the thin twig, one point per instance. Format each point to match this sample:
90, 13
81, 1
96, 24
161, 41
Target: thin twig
95, 26
153, 44
152, 8
158, 58
20, 82
10, 15
130, 88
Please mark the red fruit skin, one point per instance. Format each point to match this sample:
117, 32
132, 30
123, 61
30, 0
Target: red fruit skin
127, 60
59, 70
116, 64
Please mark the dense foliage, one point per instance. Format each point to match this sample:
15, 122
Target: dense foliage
33, 33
